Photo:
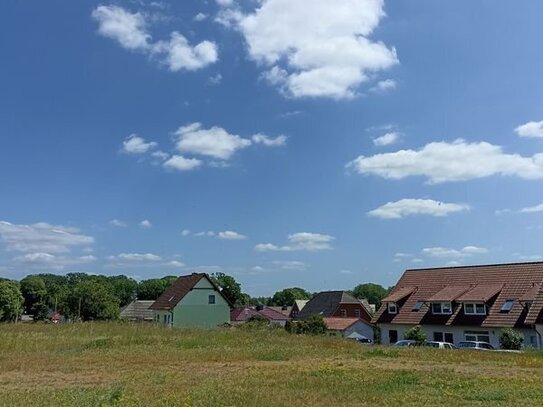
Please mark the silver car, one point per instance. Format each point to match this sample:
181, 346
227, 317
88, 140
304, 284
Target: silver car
440, 345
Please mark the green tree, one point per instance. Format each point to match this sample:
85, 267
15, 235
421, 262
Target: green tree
152, 289
92, 299
416, 334
35, 297
231, 289
511, 339
124, 288
374, 293
288, 296
11, 300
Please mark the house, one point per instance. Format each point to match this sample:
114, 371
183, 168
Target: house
285, 310
338, 304
349, 327
138, 310
474, 303
192, 301
242, 314
297, 307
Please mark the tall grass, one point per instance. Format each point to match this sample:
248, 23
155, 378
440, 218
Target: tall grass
114, 364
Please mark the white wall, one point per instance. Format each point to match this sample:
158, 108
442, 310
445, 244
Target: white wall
361, 328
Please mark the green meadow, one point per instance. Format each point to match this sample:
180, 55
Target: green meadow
114, 364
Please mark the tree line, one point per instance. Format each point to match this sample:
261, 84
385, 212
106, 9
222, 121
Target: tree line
80, 296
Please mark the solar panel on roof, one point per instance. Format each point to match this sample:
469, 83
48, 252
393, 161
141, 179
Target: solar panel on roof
507, 306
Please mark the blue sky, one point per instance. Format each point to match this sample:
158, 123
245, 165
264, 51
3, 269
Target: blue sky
311, 143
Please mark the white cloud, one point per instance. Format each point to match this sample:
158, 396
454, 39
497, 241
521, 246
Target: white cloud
200, 17
384, 86
118, 223
386, 139
257, 268
175, 264
42, 238
209, 233
180, 163
407, 207
146, 224
417, 260
215, 142
130, 31
135, 258
290, 265
215, 79
230, 235
185, 232
225, 3
160, 155
303, 241
345, 272
47, 260
314, 48
279, 141
443, 252
530, 129
135, 144
449, 162
532, 209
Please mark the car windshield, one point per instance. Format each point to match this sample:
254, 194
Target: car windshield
466, 345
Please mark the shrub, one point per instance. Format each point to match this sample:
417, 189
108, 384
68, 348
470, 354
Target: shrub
314, 325
511, 339
416, 334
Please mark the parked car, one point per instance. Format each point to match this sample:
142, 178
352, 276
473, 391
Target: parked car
440, 345
477, 345
406, 343
364, 340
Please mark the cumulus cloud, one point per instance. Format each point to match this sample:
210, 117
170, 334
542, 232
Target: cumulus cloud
130, 30
279, 141
200, 17
214, 142
146, 224
230, 235
386, 139
180, 163
449, 162
118, 223
135, 257
384, 86
175, 264
530, 129
185, 232
444, 252
314, 48
42, 238
290, 265
532, 209
50, 261
408, 207
135, 144
302, 241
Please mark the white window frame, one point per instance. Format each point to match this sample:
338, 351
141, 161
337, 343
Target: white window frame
392, 308
478, 336
445, 308
474, 311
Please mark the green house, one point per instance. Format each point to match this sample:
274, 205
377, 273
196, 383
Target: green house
192, 301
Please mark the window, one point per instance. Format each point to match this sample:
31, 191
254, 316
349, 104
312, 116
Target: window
357, 313
211, 299
392, 308
392, 336
418, 305
507, 306
343, 313
474, 309
443, 337
481, 336
165, 319
441, 308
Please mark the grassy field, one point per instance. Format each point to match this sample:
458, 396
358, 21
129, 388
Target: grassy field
142, 365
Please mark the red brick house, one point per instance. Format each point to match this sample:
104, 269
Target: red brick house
454, 304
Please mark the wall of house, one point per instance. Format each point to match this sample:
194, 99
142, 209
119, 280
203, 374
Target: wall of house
349, 311
361, 328
458, 332
194, 310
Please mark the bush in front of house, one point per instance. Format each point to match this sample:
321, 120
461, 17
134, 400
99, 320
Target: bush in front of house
416, 334
314, 325
511, 339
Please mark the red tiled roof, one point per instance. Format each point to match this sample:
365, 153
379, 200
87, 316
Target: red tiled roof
513, 279
535, 314
244, 313
449, 293
340, 324
399, 294
481, 292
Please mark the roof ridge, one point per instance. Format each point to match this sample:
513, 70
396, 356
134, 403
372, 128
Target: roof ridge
477, 265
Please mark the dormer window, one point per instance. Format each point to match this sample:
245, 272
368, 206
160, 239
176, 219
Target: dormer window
418, 305
392, 308
441, 308
474, 309
507, 306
